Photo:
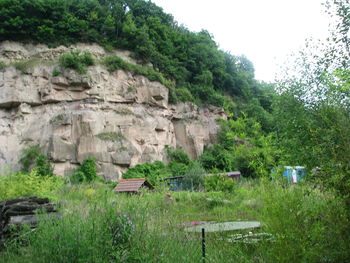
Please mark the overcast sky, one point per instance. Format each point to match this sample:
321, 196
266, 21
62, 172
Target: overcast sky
266, 31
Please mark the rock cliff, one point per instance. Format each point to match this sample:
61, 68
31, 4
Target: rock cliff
119, 118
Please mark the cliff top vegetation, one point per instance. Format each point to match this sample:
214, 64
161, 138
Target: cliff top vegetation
202, 72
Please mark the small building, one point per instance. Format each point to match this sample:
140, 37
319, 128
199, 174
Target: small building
234, 175
132, 185
174, 182
179, 183
294, 174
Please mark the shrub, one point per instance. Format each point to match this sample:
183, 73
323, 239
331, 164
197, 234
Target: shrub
309, 225
42, 166
114, 63
179, 162
86, 173
32, 157
77, 61
153, 172
29, 156
194, 178
216, 157
178, 155
183, 94
221, 183
23, 184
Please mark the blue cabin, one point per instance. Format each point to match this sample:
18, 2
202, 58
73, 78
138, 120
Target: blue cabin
294, 174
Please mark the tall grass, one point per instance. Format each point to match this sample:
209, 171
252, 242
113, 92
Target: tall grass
307, 226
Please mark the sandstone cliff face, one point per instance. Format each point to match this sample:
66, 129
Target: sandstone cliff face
118, 118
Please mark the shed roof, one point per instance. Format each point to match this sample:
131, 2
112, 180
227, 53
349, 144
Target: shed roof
132, 185
234, 173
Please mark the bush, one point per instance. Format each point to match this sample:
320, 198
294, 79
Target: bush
179, 162
153, 172
77, 61
221, 183
42, 166
216, 157
32, 157
86, 173
178, 155
309, 225
183, 94
194, 178
114, 63
22, 184
29, 156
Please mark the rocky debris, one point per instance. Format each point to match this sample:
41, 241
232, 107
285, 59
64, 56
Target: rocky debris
17, 212
119, 118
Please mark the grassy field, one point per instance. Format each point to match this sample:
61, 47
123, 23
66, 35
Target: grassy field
100, 226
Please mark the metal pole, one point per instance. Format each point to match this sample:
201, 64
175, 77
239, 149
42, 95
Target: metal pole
203, 245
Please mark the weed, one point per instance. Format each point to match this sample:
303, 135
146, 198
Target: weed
56, 72
77, 60
122, 149
131, 89
111, 136
58, 118
124, 111
25, 65
2, 65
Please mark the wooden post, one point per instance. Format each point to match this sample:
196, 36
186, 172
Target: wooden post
203, 245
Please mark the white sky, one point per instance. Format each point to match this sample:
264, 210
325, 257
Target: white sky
266, 31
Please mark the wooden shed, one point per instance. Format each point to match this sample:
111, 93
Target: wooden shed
132, 185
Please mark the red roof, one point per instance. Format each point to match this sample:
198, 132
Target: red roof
132, 185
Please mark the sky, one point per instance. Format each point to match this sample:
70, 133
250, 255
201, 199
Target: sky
265, 31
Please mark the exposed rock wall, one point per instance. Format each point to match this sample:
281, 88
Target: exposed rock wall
118, 118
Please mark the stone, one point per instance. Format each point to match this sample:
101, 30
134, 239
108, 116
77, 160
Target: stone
24, 108
60, 81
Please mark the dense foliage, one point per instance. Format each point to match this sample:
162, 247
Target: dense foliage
312, 112
202, 72
153, 172
86, 172
242, 146
33, 159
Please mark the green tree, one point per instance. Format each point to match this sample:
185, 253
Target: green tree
312, 112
